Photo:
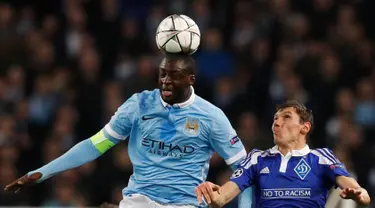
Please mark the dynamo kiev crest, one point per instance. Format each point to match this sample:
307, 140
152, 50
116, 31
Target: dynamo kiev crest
302, 169
191, 127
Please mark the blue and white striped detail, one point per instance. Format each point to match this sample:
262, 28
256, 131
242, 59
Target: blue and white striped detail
248, 157
252, 158
326, 156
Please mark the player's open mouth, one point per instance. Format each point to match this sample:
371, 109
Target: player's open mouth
166, 93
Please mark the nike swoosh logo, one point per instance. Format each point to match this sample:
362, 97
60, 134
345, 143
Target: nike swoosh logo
146, 118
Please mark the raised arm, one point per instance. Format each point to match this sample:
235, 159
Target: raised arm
352, 190
336, 172
241, 179
78, 155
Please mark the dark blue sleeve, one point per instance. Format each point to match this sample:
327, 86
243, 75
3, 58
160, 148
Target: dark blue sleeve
332, 167
245, 175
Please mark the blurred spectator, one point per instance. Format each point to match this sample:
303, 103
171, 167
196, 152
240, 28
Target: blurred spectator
251, 134
345, 104
26, 20
365, 109
212, 60
42, 103
145, 77
64, 195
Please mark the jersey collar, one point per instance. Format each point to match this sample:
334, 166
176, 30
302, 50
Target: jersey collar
183, 104
302, 152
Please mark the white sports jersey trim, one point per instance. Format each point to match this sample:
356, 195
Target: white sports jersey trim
284, 162
236, 157
323, 160
302, 152
254, 159
111, 132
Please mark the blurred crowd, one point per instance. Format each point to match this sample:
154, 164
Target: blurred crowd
66, 65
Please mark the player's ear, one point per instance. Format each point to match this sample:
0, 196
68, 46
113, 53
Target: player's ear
306, 127
191, 79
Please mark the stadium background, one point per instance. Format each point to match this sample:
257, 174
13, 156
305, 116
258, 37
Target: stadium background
66, 65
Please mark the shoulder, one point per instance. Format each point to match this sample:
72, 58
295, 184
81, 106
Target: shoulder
146, 97
324, 156
147, 94
210, 109
140, 100
253, 158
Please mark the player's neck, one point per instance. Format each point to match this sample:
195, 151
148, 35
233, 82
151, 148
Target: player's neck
184, 97
294, 145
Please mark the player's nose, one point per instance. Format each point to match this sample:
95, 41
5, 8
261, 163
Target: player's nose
166, 80
276, 123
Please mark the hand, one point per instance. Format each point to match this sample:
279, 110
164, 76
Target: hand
210, 192
23, 182
359, 195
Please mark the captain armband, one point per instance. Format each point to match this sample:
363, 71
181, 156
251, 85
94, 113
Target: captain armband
101, 143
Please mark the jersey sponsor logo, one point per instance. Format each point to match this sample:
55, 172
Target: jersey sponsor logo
237, 173
302, 169
234, 140
265, 171
167, 149
192, 127
286, 193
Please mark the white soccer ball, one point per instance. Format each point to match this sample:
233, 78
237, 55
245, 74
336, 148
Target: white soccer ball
178, 34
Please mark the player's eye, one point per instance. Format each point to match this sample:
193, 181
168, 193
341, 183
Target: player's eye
287, 116
175, 76
163, 74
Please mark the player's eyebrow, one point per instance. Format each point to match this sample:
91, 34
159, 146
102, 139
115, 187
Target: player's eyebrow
287, 112
281, 113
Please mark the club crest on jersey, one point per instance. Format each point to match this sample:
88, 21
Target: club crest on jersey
192, 127
302, 169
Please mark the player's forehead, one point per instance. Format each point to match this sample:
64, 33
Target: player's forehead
172, 65
288, 110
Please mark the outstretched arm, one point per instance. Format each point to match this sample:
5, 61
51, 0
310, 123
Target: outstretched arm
83, 152
352, 190
116, 130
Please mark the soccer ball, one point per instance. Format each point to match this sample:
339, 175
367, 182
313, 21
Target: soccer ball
178, 34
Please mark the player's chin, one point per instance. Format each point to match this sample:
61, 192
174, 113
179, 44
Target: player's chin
167, 98
277, 140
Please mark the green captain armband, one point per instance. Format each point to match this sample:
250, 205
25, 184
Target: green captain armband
101, 143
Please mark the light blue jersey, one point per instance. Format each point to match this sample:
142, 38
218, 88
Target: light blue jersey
170, 146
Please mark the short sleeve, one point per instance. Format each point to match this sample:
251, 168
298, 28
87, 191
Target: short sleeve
245, 175
122, 121
332, 167
224, 139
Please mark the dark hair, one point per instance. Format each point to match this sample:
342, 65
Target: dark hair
187, 61
304, 113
